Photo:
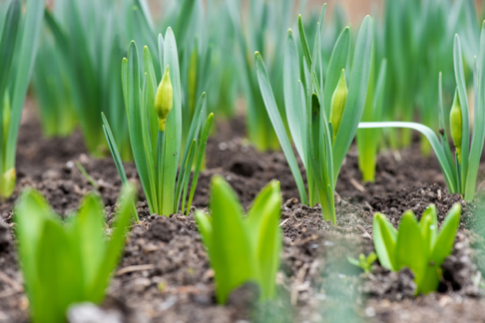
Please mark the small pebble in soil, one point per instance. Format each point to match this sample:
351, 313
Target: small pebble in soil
90, 313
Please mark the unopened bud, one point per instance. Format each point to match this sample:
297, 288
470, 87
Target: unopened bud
337, 106
164, 100
456, 125
7, 183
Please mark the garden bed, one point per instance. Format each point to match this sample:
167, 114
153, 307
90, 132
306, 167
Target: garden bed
165, 276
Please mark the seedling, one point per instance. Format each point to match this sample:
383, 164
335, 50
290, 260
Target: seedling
314, 108
154, 112
418, 246
460, 173
241, 249
50, 82
69, 263
18, 47
368, 139
364, 262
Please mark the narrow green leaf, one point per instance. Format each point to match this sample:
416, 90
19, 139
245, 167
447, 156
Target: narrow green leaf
28, 48
273, 112
204, 224
263, 225
192, 135
200, 157
8, 42
114, 150
409, 247
385, 239
115, 245
187, 171
355, 103
479, 123
461, 87
295, 113
304, 42
338, 62
88, 228
448, 170
446, 237
56, 290
173, 132
232, 262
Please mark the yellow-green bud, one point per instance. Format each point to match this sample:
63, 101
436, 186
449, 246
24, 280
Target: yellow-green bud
339, 98
164, 100
7, 183
456, 125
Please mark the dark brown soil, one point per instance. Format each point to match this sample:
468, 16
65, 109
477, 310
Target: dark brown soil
164, 275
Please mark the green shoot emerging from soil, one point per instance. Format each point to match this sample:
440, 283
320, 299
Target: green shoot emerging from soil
18, 45
368, 139
364, 262
323, 116
154, 111
418, 246
241, 249
69, 263
460, 172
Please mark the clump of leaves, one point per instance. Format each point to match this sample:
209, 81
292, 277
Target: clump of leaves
323, 113
63, 264
241, 249
19, 35
154, 113
418, 246
364, 262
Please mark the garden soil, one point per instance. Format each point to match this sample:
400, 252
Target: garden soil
164, 275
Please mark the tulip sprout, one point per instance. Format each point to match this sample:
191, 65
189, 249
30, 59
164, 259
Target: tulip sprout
418, 246
321, 145
253, 251
18, 47
64, 264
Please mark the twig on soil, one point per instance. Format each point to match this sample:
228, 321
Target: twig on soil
357, 185
297, 284
8, 293
131, 269
15, 285
366, 234
284, 222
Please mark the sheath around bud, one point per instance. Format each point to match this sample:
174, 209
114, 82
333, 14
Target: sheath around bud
7, 183
337, 106
456, 125
164, 100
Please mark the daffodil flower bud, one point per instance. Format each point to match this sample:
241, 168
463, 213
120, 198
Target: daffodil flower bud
164, 100
339, 98
7, 183
456, 125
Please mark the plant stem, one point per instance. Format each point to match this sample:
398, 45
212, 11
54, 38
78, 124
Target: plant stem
160, 158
